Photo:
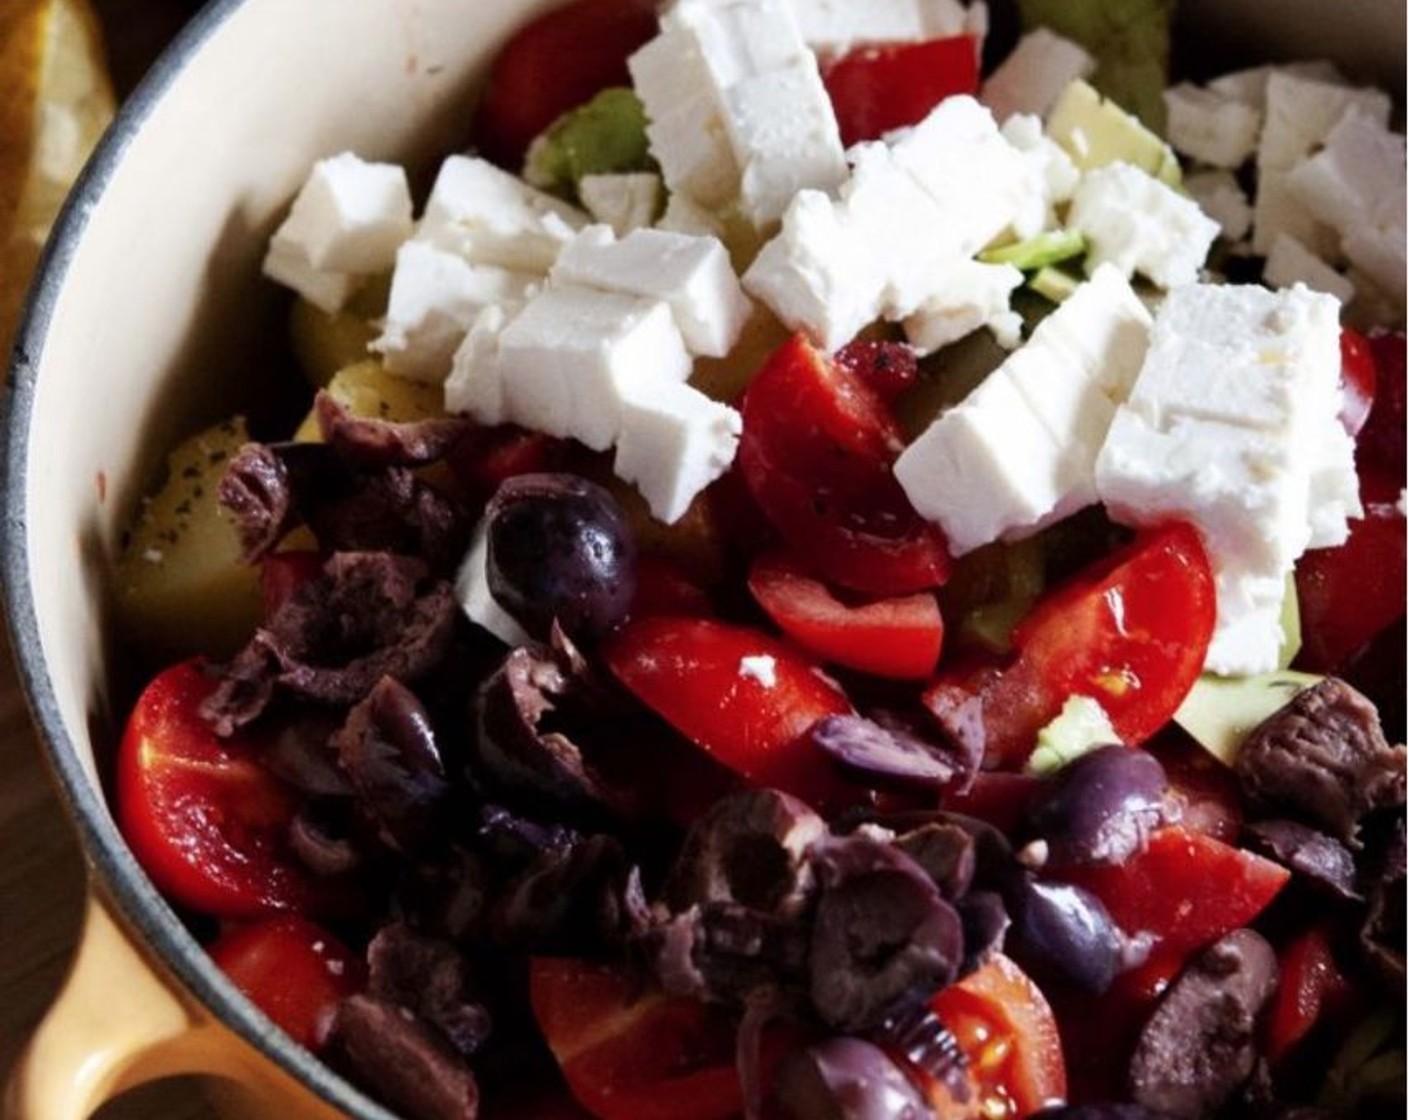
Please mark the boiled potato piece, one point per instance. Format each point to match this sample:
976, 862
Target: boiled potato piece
324, 343
181, 585
368, 390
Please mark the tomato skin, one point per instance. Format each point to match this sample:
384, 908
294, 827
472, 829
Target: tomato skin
561, 59
292, 970
1351, 592
1185, 888
690, 671
888, 368
1131, 632
817, 453
1358, 377
1311, 985
899, 638
485, 457
1382, 441
1008, 1031
633, 1055
206, 822
875, 90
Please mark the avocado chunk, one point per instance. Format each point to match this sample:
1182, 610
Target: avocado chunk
1096, 132
604, 136
1055, 284
1220, 712
1082, 726
1036, 253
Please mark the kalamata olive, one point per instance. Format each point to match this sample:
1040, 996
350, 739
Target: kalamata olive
847, 1079
1102, 807
1067, 929
560, 547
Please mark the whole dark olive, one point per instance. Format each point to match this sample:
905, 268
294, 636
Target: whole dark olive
847, 1079
1068, 930
1102, 807
560, 548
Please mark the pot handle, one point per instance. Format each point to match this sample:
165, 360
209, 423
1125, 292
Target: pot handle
120, 1022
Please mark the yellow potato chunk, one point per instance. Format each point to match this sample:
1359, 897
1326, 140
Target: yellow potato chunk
366, 389
180, 583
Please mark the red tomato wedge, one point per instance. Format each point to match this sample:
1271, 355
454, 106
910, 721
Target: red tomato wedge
1185, 888
292, 970
898, 638
875, 90
1131, 632
1382, 439
1350, 593
1008, 1032
816, 453
563, 58
744, 697
633, 1055
206, 821
1358, 377
1311, 985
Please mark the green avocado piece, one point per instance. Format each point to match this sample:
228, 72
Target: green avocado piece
1095, 131
605, 135
1082, 726
1055, 284
1035, 253
1220, 712
1290, 625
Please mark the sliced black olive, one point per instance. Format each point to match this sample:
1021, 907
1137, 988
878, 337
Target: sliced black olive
847, 1079
1102, 807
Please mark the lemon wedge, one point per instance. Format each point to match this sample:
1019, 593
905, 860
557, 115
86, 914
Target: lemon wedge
55, 101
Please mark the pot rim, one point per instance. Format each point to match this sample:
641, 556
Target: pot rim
125, 884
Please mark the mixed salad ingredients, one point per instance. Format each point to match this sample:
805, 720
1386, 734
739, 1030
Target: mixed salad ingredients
837, 570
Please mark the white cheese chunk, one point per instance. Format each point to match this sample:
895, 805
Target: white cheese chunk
1035, 74
569, 355
1223, 200
1052, 176
684, 215
287, 264
1249, 86
674, 441
477, 601
1138, 224
475, 386
625, 202
691, 274
1211, 128
491, 217
1358, 177
350, 215
1379, 254
968, 295
435, 296
1290, 263
1334, 487
835, 26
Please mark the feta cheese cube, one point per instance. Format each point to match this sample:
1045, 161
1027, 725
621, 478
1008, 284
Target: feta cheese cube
674, 442
835, 26
691, 274
1357, 179
475, 386
287, 264
1223, 200
1034, 75
1052, 175
969, 295
1334, 487
1210, 127
1138, 224
435, 296
1100, 332
1379, 254
1249, 86
684, 215
569, 355
477, 601
1290, 263
740, 39
624, 202
488, 216
350, 215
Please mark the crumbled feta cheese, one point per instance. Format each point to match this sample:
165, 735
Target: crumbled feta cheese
1223, 200
1249, 86
1227, 427
624, 202
350, 215
1210, 127
477, 601
760, 667
435, 296
969, 295
1034, 75
1052, 175
488, 216
475, 386
674, 442
684, 215
691, 274
1138, 224
1290, 263
286, 264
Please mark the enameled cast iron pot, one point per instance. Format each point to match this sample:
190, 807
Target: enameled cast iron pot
149, 319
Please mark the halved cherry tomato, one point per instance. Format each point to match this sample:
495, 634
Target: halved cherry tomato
817, 450
1352, 592
875, 90
743, 696
283, 573
563, 58
1131, 632
629, 1054
1358, 376
294, 971
898, 637
485, 457
1311, 985
889, 368
1185, 888
1008, 1032
1382, 440
204, 819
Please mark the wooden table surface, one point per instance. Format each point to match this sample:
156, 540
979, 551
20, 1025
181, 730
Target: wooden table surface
41, 869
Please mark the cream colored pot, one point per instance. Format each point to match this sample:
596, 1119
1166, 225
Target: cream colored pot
147, 319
